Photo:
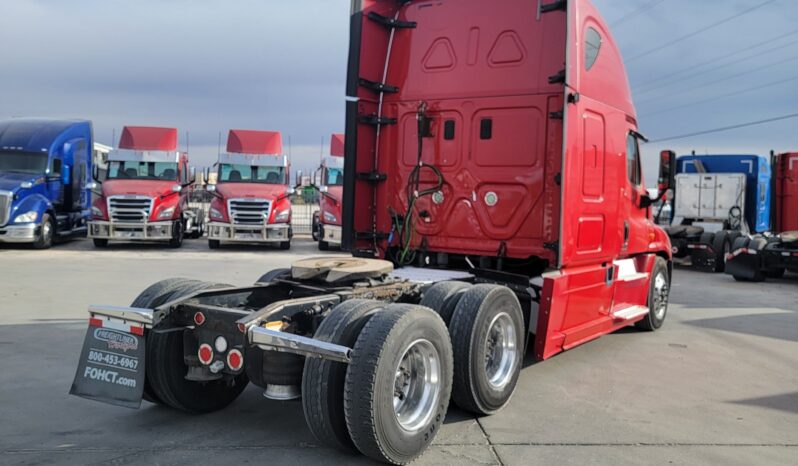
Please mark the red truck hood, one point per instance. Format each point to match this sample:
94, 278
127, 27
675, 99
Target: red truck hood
251, 190
151, 188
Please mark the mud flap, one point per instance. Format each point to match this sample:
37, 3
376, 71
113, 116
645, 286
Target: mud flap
744, 265
111, 365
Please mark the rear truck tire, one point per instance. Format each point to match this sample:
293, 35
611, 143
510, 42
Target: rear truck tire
323, 381
488, 332
166, 368
285, 245
721, 245
214, 244
100, 243
658, 293
272, 274
153, 296
398, 383
46, 233
442, 297
324, 246
177, 234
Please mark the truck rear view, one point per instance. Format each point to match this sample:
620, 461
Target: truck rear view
252, 195
717, 199
492, 154
764, 256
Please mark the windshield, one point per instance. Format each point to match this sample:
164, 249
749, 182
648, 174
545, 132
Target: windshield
34, 163
142, 171
234, 173
335, 177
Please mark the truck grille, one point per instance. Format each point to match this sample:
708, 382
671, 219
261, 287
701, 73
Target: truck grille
129, 209
249, 211
5, 206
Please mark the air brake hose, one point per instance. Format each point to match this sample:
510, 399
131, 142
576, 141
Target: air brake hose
413, 191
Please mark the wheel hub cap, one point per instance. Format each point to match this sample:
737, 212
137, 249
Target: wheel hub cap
500, 351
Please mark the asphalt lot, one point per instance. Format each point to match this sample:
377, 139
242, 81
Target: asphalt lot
717, 384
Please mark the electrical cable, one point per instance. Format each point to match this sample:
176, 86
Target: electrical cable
698, 32
635, 13
722, 96
725, 128
691, 70
414, 192
725, 78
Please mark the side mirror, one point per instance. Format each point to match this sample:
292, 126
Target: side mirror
318, 178
667, 171
323, 189
298, 180
211, 188
206, 175
177, 188
192, 175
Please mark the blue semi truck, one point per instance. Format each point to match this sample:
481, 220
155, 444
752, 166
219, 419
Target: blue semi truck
717, 199
45, 180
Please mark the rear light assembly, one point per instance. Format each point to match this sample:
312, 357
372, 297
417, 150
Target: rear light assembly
199, 318
205, 354
235, 360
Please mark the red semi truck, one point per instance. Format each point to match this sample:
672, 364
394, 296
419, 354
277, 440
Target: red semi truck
252, 195
144, 196
759, 257
494, 200
329, 179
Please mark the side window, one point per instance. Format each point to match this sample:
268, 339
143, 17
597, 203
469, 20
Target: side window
592, 47
633, 160
55, 169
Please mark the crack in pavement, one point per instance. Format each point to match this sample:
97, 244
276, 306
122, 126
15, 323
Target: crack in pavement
490, 444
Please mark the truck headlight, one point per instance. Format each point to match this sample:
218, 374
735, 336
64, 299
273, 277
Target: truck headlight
328, 217
27, 217
282, 216
97, 212
215, 214
166, 213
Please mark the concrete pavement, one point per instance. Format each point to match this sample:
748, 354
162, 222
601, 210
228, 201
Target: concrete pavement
717, 384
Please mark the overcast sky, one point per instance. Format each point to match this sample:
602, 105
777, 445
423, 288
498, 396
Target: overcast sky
209, 65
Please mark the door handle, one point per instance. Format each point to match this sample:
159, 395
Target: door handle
625, 232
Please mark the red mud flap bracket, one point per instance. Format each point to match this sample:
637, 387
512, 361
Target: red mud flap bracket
111, 365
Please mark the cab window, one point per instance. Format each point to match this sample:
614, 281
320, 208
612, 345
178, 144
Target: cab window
633, 160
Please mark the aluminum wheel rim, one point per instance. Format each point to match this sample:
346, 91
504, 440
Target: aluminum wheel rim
47, 231
417, 385
660, 296
500, 351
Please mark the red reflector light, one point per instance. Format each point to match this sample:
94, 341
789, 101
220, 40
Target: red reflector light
235, 359
137, 330
95, 322
242, 328
205, 353
199, 318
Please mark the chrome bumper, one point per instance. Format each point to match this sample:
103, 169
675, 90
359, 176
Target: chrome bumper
331, 233
148, 231
272, 233
25, 233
